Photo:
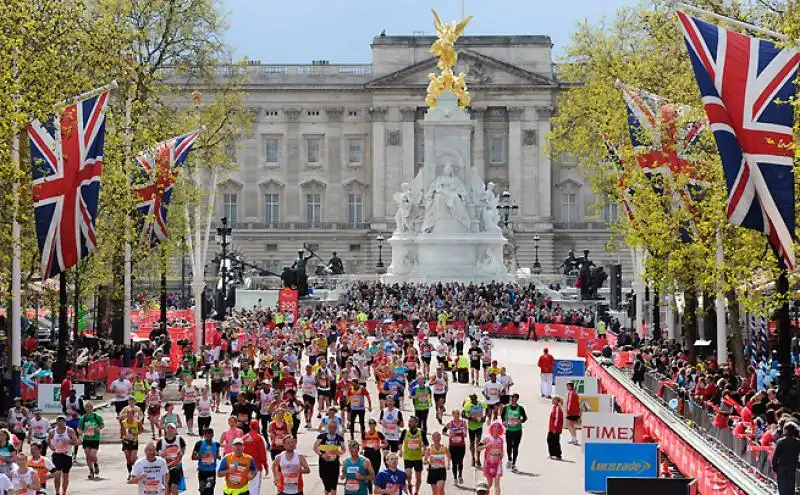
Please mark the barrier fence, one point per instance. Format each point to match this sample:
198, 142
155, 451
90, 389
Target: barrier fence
756, 457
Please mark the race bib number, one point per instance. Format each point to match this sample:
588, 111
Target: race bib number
151, 487
414, 444
208, 458
352, 486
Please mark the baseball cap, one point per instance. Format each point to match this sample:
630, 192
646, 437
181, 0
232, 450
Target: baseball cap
237, 441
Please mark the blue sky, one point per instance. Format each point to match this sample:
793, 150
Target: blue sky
299, 31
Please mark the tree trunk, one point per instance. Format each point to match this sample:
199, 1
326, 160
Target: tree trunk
690, 323
735, 342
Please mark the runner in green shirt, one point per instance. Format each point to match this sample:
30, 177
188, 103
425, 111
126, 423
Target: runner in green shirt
89, 428
139, 389
217, 383
475, 412
513, 417
421, 398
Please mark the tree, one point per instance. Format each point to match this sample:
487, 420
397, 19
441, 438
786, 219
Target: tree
644, 48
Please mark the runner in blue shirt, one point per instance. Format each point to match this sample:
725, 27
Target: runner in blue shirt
390, 481
206, 453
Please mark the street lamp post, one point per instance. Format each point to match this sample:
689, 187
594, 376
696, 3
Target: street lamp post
505, 209
537, 267
223, 233
379, 265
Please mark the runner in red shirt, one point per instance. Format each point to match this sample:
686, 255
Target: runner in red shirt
573, 411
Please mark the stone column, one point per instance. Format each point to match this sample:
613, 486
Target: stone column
378, 116
408, 115
294, 163
478, 141
515, 156
544, 168
334, 200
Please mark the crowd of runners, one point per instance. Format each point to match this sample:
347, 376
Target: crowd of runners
311, 376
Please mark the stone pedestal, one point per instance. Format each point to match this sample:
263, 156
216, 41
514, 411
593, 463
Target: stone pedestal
439, 241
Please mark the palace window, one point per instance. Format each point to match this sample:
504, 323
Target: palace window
497, 150
313, 150
230, 207
355, 208
569, 208
355, 150
271, 149
272, 203
313, 208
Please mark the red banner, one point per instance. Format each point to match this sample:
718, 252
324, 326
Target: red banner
587, 346
288, 301
568, 332
709, 479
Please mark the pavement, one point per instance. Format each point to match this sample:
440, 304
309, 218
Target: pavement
537, 473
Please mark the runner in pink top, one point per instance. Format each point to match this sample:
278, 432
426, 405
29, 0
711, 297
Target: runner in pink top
231, 434
493, 444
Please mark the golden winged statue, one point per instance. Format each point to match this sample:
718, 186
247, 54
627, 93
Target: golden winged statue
445, 49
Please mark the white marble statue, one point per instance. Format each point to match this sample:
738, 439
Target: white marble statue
403, 218
489, 215
445, 205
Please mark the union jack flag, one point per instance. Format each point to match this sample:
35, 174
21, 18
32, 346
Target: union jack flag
664, 145
743, 81
159, 167
66, 166
626, 195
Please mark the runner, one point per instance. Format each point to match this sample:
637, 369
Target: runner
492, 390
61, 438
42, 465
475, 410
172, 448
513, 417
266, 398
278, 431
573, 410
374, 442
206, 452
288, 469
189, 398
440, 384
217, 383
243, 410
205, 404
324, 392
153, 401
256, 447
421, 399
150, 473
139, 389
7, 452
506, 382
238, 469
331, 417
475, 354
129, 430
232, 433
391, 481
18, 418
357, 472
39, 427
329, 447
170, 417
121, 388
493, 458
308, 386
24, 479
414, 442
437, 458
356, 395
456, 431
391, 422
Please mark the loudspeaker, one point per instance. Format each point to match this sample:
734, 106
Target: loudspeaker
615, 293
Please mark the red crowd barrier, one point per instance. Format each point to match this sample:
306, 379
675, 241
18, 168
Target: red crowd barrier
690, 462
587, 346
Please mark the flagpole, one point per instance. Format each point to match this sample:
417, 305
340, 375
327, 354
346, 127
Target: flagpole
719, 304
743, 25
126, 305
16, 271
16, 284
88, 94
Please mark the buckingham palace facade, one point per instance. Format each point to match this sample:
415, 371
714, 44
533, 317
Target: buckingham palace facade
331, 144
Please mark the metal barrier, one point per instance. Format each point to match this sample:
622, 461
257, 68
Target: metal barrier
702, 420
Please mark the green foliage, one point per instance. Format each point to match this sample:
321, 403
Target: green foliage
644, 48
54, 50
